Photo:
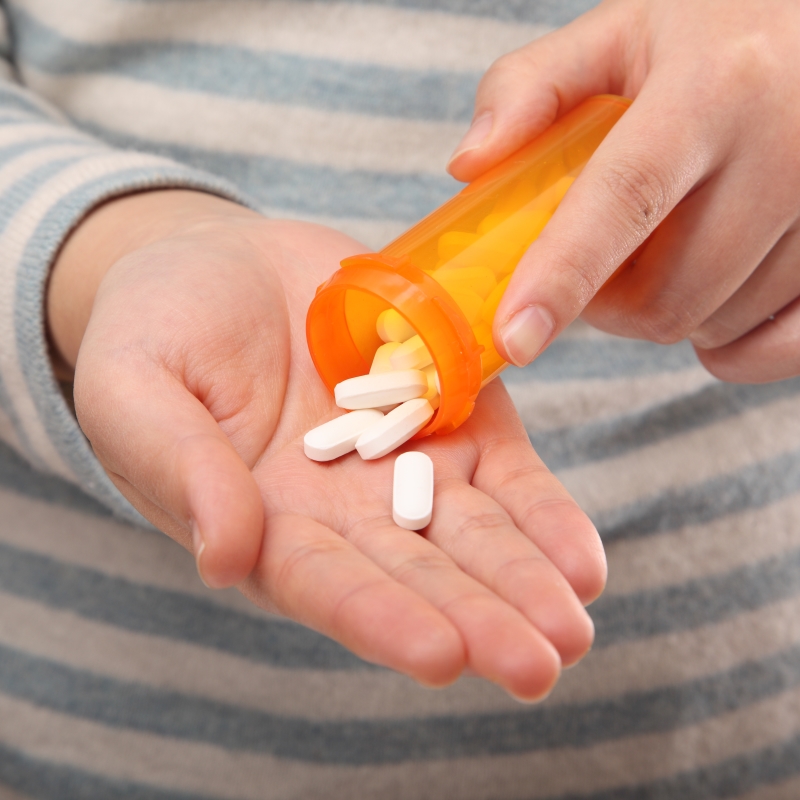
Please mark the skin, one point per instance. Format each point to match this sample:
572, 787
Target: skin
183, 317
702, 172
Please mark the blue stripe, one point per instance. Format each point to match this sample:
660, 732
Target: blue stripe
236, 72
691, 605
18, 476
127, 705
46, 781
610, 357
568, 447
168, 614
752, 487
730, 778
305, 188
15, 99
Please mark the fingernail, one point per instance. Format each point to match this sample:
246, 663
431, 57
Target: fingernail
476, 135
198, 545
526, 333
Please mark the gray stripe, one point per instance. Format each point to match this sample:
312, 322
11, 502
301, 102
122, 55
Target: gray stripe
236, 72
133, 706
730, 778
305, 188
568, 359
159, 612
569, 447
18, 476
46, 781
755, 486
690, 605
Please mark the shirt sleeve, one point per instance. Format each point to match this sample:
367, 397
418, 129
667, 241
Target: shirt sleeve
51, 176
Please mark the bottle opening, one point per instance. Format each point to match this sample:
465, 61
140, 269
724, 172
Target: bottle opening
342, 333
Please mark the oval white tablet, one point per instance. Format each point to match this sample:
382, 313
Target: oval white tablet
412, 493
381, 362
383, 389
392, 327
339, 436
412, 354
394, 429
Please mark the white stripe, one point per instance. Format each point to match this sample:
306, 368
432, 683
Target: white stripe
686, 459
549, 405
7, 432
206, 769
247, 127
141, 556
13, 171
36, 131
13, 242
392, 37
699, 551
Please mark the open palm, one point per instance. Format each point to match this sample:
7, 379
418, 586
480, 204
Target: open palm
195, 387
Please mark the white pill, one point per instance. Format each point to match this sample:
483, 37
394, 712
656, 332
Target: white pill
392, 327
339, 436
381, 362
394, 429
412, 354
432, 395
412, 495
374, 391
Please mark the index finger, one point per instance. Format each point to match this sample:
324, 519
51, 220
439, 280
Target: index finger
652, 158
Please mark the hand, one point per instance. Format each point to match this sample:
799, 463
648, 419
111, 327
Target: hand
195, 387
707, 152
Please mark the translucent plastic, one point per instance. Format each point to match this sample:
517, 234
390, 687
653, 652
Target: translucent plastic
447, 274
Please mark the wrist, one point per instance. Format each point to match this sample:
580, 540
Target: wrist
110, 232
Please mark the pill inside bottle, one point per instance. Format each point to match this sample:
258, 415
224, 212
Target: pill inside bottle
435, 290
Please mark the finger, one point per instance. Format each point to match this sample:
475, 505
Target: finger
646, 164
691, 264
526, 90
762, 295
501, 645
769, 353
173, 452
483, 541
510, 472
316, 577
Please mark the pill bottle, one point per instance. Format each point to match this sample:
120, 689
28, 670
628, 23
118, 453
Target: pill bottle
447, 274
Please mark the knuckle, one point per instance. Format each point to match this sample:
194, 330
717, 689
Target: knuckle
668, 320
639, 189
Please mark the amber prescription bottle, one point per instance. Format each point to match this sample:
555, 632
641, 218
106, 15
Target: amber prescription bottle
447, 274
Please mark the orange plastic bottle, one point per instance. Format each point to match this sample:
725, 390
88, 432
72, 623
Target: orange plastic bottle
447, 274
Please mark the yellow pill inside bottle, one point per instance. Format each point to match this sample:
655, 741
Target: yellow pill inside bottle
446, 275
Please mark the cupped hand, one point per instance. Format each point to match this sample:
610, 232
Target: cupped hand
194, 385
702, 172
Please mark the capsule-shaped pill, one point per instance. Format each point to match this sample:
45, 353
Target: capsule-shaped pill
383, 389
381, 362
396, 428
338, 436
412, 491
392, 327
412, 354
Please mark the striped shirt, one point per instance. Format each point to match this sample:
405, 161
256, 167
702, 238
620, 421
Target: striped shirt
121, 676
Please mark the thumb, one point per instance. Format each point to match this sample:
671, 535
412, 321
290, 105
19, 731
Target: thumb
169, 457
524, 91
657, 152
